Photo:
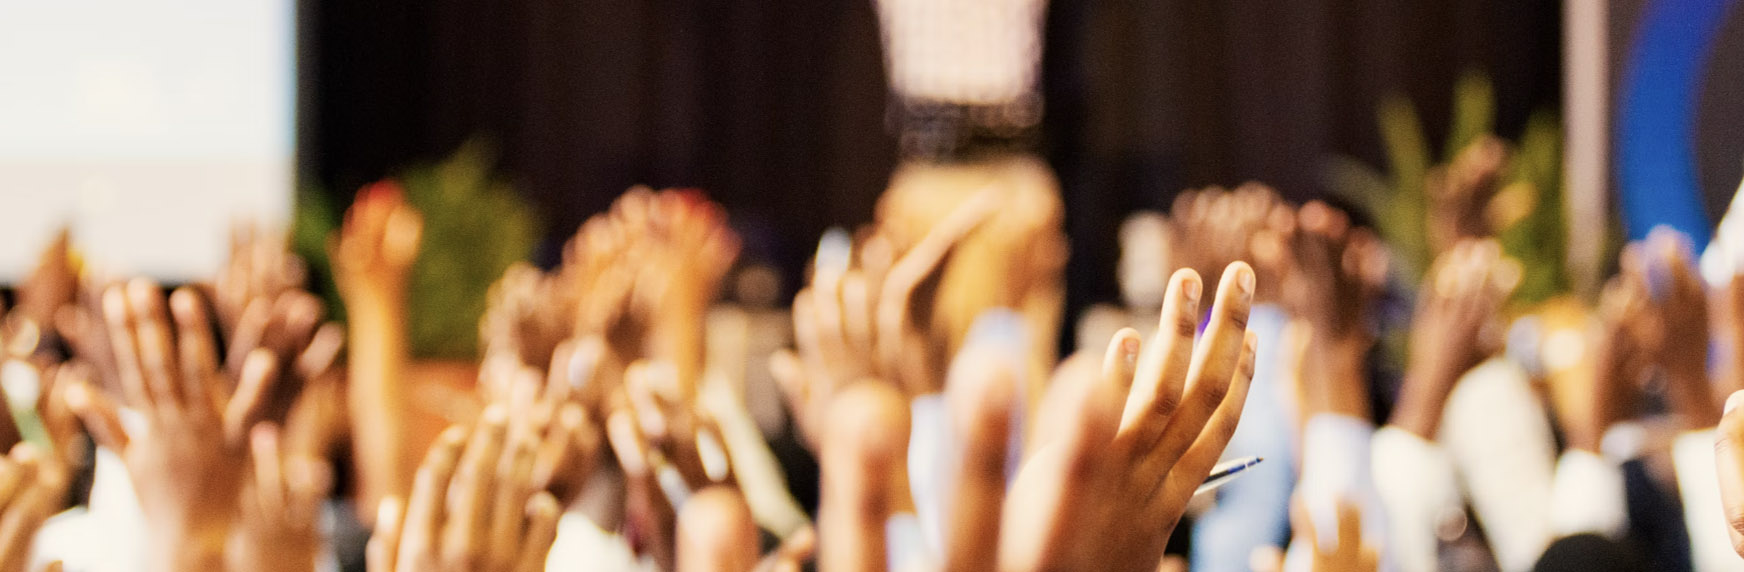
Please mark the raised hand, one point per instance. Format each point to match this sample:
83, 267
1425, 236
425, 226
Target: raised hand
1181, 398
667, 448
874, 318
372, 262
53, 284
187, 457
1460, 193
1680, 305
474, 507
28, 496
1213, 227
551, 408
1453, 328
644, 275
1598, 390
280, 507
260, 267
289, 328
1124, 452
374, 251
1336, 273
716, 533
527, 314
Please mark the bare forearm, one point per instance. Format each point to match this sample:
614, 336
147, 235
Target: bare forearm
378, 397
1691, 397
1420, 402
1343, 377
175, 549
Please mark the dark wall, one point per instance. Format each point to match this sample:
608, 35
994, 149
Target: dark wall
777, 107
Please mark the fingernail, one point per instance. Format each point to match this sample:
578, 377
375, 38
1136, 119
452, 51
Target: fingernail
1733, 401
1193, 288
1129, 351
1245, 279
835, 251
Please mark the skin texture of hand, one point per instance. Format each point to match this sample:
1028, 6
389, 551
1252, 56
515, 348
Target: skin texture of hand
260, 267
527, 314
1728, 327
81, 326
1459, 298
290, 327
1664, 264
28, 496
1461, 191
645, 273
59, 421
1015, 259
53, 284
1729, 462
666, 447
474, 507
1104, 489
872, 319
1600, 391
1336, 273
372, 259
279, 508
716, 534
188, 460
1213, 227
546, 407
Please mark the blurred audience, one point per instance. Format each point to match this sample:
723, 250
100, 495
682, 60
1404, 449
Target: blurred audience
613, 423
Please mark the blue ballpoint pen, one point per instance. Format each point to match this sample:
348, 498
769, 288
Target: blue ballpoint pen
1225, 472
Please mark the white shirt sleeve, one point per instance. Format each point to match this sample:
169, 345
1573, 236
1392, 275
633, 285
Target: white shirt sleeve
1416, 482
1699, 487
1336, 457
1495, 430
1588, 496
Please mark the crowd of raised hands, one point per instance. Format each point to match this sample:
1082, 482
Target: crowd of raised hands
229, 425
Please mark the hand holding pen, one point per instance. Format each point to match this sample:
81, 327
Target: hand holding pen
1117, 453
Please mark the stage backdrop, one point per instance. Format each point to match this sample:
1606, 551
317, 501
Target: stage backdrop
777, 107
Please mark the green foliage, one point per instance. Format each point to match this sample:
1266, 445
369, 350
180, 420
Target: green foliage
475, 226
1539, 240
313, 219
1474, 113
1408, 206
1399, 203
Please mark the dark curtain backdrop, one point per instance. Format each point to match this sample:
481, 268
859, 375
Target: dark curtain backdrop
777, 107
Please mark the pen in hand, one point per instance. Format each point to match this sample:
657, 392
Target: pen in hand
1225, 472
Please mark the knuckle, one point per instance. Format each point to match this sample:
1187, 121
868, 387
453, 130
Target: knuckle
1186, 326
1735, 519
1165, 403
1238, 318
1215, 391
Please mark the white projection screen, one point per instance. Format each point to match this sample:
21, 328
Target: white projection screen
149, 126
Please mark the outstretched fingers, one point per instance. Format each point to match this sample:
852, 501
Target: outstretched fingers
982, 395
1209, 380
1163, 367
1207, 443
861, 449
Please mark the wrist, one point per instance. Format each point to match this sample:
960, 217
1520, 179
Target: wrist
1420, 402
1691, 398
196, 546
1342, 371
